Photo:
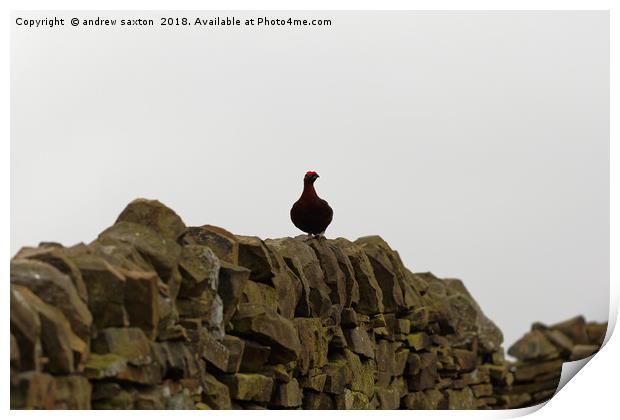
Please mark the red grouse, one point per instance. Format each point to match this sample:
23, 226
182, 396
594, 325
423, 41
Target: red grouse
311, 213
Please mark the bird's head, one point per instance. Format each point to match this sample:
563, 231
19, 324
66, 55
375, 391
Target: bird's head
310, 177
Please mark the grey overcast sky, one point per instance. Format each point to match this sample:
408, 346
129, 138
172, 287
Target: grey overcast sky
476, 144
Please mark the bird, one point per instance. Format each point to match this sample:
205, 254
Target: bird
311, 214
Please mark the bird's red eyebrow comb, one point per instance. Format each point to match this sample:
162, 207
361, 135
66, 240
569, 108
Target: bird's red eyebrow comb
310, 173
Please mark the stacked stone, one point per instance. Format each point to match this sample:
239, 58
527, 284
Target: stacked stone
130, 321
540, 354
50, 333
455, 351
155, 314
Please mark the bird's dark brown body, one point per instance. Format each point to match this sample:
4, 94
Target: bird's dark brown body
310, 213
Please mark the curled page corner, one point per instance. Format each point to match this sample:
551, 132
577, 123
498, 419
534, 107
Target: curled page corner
613, 315
521, 412
569, 370
546, 358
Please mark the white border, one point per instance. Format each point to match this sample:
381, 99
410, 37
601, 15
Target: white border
593, 393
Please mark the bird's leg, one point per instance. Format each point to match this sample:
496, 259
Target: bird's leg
317, 236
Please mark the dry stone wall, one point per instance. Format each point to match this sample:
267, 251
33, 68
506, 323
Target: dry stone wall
157, 315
